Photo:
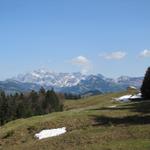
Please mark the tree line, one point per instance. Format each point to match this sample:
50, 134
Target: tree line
25, 105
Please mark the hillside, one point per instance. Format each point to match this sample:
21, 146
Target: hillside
92, 124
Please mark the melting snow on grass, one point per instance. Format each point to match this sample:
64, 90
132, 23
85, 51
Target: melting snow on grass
50, 133
124, 98
136, 96
127, 98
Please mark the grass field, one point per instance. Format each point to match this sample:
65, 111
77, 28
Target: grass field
91, 125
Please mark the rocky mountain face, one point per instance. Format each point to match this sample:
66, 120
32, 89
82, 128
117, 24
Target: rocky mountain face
49, 78
68, 82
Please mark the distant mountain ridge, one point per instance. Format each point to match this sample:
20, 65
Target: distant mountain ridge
11, 86
68, 82
48, 78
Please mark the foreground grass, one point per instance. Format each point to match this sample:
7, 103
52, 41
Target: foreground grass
91, 125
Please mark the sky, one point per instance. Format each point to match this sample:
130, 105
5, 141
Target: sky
111, 37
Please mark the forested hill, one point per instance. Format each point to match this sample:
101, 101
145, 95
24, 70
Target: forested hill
21, 105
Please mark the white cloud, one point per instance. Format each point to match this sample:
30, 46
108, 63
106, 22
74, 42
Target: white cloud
82, 62
118, 55
145, 53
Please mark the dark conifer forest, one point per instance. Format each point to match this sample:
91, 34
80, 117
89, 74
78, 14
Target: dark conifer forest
25, 105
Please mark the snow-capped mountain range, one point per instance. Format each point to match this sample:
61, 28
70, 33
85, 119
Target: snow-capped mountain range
68, 82
49, 78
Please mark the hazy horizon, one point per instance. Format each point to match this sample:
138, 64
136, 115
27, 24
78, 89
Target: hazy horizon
110, 37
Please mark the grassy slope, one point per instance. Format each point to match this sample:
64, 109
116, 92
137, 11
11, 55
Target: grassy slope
91, 125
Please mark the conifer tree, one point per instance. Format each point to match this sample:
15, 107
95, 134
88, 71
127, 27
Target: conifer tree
145, 89
54, 101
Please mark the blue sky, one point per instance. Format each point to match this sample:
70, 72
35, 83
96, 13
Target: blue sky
111, 37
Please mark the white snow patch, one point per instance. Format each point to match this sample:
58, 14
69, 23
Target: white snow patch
127, 98
124, 98
35, 75
136, 96
50, 133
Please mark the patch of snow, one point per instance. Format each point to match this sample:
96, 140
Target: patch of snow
124, 98
35, 74
127, 98
138, 96
50, 133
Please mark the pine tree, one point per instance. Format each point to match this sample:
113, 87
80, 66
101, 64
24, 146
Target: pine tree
145, 89
47, 102
4, 108
21, 110
42, 90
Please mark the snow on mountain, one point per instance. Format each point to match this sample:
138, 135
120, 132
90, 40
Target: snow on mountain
75, 82
49, 78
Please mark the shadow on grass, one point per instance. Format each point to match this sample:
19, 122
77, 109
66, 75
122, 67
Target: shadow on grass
142, 107
128, 120
109, 108
137, 106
